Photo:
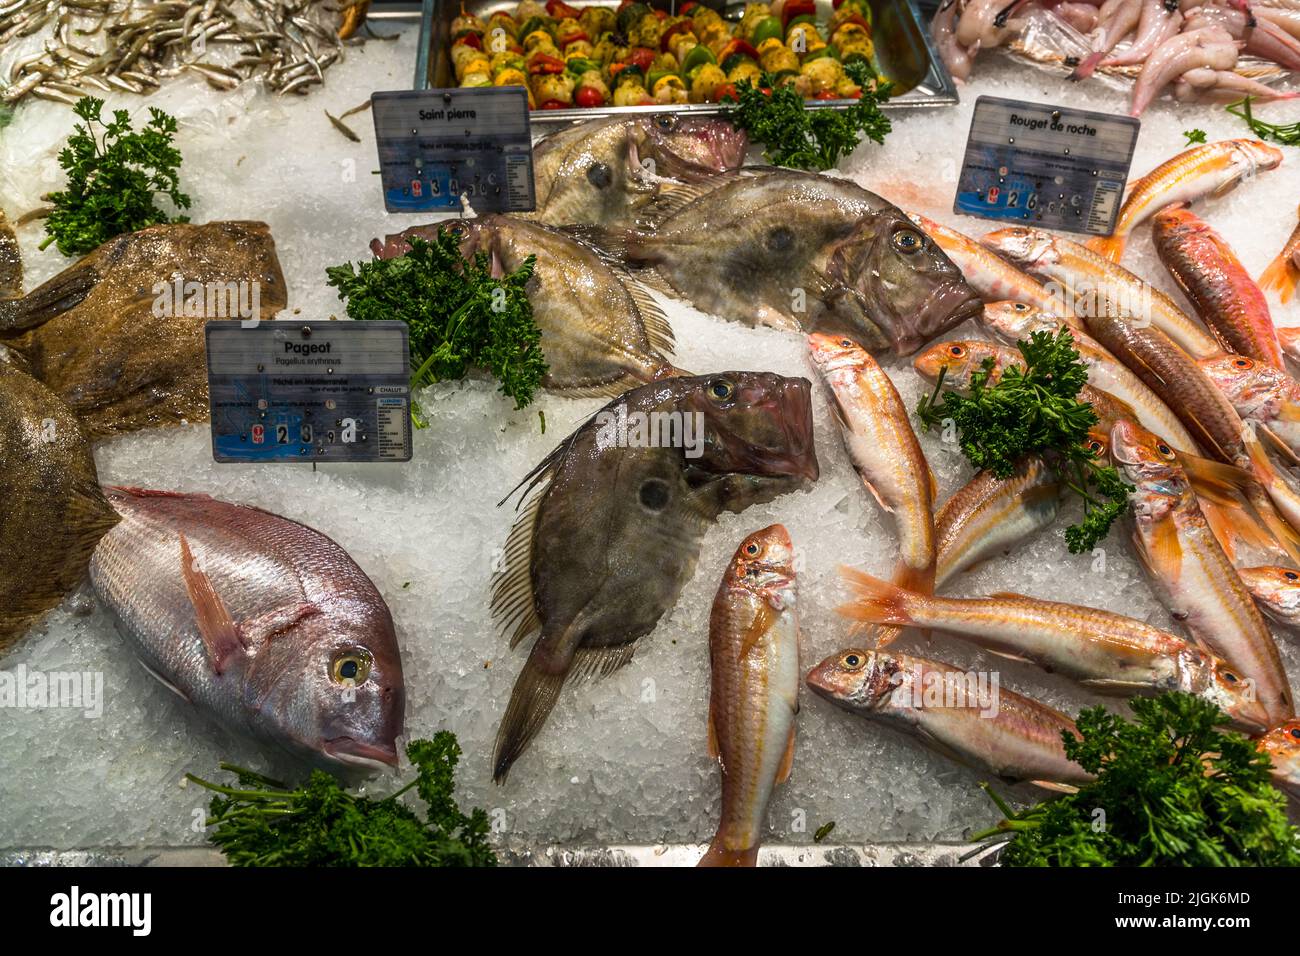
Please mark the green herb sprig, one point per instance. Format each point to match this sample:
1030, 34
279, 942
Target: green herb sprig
460, 316
1287, 134
794, 135
115, 177
1035, 410
263, 823
1172, 790
1194, 136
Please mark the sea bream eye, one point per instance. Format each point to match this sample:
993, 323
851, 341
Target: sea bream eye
956, 351
852, 661
350, 667
751, 549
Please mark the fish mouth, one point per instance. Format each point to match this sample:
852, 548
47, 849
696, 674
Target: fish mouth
358, 753
947, 307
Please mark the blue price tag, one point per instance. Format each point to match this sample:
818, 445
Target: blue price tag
1049, 166
309, 391
437, 146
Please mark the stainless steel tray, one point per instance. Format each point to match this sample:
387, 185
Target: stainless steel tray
902, 48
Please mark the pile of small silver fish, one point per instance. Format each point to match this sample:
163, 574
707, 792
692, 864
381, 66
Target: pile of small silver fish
100, 46
1202, 50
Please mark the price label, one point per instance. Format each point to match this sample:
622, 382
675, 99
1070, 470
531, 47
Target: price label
439, 146
309, 391
1049, 166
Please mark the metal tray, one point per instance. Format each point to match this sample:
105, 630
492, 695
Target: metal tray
902, 48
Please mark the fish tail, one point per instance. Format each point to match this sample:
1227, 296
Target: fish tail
1280, 277
879, 602
719, 855
536, 690
920, 580
1111, 247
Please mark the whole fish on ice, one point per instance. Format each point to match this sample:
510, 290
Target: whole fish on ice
1276, 591
1106, 652
266, 626
602, 333
754, 689
96, 335
1192, 575
885, 452
612, 533
53, 511
806, 252
1282, 744
1001, 732
605, 172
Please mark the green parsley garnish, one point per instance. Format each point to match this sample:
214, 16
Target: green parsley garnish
823, 831
263, 823
460, 316
1194, 136
115, 176
796, 136
1287, 135
1171, 790
1035, 410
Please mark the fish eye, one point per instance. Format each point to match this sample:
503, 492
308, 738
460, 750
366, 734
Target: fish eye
751, 549
907, 241
1291, 576
666, 122
1243, 362
852, 660
1230, 677
721, 390
598, 175
351, 666
1164, 450
956, 351
1095, 446
455, 229
1295, 732
1020, 307
846, 343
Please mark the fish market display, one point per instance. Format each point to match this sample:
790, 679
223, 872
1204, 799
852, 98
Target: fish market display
54, 512
604, 172
1217, 284
807, 252
1006, 734
601, 332
1277, 593
593, 55
1106, 652
103, 46
1187, 565
265, 625
1282, 744
613, 533
1013, 321
883, 448
1283, 273
754, 695
119, 334
1211, 169
1205, 52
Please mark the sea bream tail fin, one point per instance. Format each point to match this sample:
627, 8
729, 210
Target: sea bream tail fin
718, 855
878, 602
1110, 247
217, 628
